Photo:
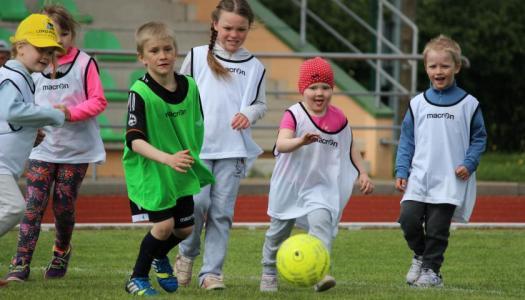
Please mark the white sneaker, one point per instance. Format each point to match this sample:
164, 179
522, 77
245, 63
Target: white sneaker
213, 282
268, 283
183, 266
429, 278
325, 284
415, 269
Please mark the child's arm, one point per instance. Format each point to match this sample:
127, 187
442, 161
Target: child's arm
253, 112
14, 110
96, 101
180, 161
478, 143
287, 142
405, 151
365, 184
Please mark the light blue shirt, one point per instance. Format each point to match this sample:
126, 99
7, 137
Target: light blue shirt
478, 134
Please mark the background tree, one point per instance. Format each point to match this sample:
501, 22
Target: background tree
490, 33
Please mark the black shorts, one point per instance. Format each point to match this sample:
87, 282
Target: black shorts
182, 213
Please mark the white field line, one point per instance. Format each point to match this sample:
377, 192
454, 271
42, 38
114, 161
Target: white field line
255, 225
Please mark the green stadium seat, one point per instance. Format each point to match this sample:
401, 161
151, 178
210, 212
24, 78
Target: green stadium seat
105, 40
111, 91
136, 74
5, 34
107, 133
71, 6
13, 10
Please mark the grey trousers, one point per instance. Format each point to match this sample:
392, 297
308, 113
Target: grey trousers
12, 203
214, 207
320, 226
426, 228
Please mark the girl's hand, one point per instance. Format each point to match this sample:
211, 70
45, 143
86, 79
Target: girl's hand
462, 172
64, 109
365, 184
309, 138
401, 184
240, 121
40, 135
180, 161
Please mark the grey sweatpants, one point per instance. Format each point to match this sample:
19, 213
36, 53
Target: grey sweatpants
12, 204
320, 225
214, 207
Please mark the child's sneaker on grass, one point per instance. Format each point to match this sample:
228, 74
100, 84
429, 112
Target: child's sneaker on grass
140, 286
183, 266
415, 269
164, 272
268, 283
57, 268
213, 282
18, 270
325, 284
429, 278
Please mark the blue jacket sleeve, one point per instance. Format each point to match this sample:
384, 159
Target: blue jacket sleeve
406, 147
478, 142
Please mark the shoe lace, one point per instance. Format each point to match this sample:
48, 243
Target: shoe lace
18, 267
162, 266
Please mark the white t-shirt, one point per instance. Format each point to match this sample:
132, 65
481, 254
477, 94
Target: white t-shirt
222, 99
442, 137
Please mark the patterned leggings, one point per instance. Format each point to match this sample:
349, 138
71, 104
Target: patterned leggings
40, 177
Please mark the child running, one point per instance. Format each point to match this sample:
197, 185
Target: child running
59, 163
442, 138
34, 45
161, 162
232, 86
315, 169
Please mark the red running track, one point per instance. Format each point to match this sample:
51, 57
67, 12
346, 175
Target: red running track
377, 208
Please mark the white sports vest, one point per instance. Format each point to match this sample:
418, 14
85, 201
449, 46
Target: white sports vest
16, 142
442, 137
222, 99
319, 175
76, 142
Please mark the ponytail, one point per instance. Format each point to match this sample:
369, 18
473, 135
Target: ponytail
216, 67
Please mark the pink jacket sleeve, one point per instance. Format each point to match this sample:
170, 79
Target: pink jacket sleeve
96, 101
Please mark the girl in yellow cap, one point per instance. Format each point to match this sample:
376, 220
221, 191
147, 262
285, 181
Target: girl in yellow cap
34, 46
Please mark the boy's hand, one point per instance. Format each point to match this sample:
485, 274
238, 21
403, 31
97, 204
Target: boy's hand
240, 121
180, 161
365, 184
40, 135
64, 109
309, 138
401, 184
462, 172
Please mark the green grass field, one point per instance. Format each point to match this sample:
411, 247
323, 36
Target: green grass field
495, 166
368, 264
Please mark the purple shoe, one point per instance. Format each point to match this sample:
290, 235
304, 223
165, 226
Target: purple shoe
18, 270
57, 268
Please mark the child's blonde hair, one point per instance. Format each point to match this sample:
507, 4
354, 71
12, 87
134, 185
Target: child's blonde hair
444, 43
62, 18
153, 30
238, 7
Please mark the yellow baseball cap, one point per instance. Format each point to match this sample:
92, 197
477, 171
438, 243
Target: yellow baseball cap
38, 30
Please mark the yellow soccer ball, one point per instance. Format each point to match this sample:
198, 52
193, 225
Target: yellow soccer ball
303, 260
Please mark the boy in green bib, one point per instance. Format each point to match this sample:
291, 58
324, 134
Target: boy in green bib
161, 156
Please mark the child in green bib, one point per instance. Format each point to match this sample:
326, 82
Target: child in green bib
161, 157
